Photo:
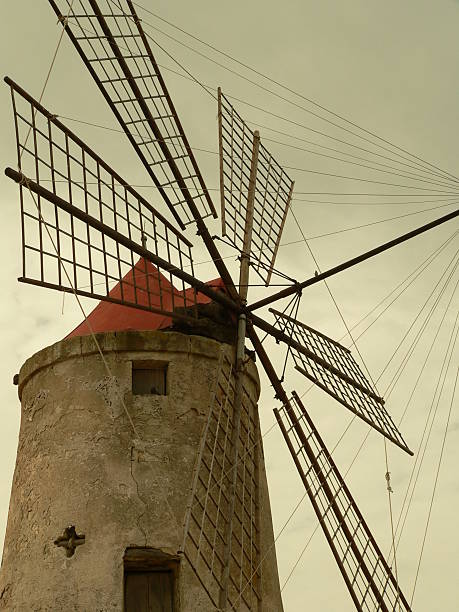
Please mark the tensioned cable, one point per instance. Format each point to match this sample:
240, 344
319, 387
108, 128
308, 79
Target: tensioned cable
388, 490
408, 175
322, 146
301, 125
432, 257
372, 181
305, 240
422, 455
366, 368
292, 301
292, 314
415, 273
372, 381
453, 178
123, 132
413, 346
422, 448
305, 170
206, 88
355, 227
436, 480
283, 86
399, 529
371, 204
430, 190
211, 152
421, 331
391, 516
294, 242
257, 124
321, 193
210, 89
390, 386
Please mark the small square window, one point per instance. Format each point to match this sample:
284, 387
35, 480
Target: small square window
149, 378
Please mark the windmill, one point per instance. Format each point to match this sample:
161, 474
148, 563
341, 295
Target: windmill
107, 224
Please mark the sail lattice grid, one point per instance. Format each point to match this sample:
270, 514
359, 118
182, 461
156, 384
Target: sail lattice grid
332, 367
368, 577
109, 37
273, 191
54, 240
206, 529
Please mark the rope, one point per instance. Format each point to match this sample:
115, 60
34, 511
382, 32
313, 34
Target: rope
389, 498
432, 257
407, 355
209, 91
409, 175
270, 79
422, 448
435, 482
53, 61
293, 314
448, 176
25, 182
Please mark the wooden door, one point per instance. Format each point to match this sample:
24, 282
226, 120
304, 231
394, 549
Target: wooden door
149, 591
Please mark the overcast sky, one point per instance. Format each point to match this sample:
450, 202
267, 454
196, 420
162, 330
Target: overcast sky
390, 67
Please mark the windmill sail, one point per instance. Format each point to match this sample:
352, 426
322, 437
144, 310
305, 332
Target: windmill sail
368, 577
66, 169
273, 191
330, 366
109, 38
206, 523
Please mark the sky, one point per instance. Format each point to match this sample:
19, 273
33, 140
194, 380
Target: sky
388, 67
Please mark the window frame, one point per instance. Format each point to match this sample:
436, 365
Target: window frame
152, 365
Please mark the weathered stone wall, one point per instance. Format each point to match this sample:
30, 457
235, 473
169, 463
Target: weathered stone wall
79, 463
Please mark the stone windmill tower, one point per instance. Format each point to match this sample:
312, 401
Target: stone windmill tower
122, 485
140, 481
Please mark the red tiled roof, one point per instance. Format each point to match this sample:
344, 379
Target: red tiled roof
108, 316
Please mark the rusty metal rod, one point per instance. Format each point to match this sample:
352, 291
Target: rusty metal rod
298, 287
